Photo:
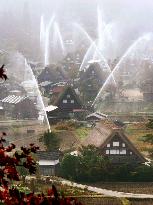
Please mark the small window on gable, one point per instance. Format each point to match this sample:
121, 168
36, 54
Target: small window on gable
107, 151
115, 144
123, 144
68, 96
108, 145
72, 101
64, 101
131, 153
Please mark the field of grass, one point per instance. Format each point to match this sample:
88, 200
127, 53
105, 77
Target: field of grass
82, 132
70, 134
17, 132
134, 132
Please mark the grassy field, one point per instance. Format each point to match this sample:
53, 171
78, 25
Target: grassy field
17, 132
135, 131
82, 132
70, 134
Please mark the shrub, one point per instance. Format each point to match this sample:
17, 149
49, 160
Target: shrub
68, 125
51, 141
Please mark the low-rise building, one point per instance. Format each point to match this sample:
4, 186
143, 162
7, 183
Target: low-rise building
68, 103
19, 107
49, 162
114, 144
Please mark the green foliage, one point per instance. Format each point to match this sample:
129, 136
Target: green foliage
69, 166
143, 173
82, 132
67, 125
51, 141
147, 138
93, 166
122, 172
150, 124
125, 201
22, 171
88, 166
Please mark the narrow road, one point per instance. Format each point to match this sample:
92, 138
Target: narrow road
106, 192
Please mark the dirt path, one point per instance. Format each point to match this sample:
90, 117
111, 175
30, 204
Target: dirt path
107, 192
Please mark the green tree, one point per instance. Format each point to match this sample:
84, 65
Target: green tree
150, 124
51, 141
69, 167
147, 138
93, 166
89, 165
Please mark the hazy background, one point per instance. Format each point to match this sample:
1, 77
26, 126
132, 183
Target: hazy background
20, 21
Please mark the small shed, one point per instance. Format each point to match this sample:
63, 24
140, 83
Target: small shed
48, 162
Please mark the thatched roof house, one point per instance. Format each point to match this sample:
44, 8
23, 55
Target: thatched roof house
113, 143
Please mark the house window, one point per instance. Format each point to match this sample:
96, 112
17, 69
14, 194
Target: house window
123, 151
117, 151
115, 144
68, 96
72, 101
108, 145
131, 153
113, 151
123, 144
64, 101
107, 151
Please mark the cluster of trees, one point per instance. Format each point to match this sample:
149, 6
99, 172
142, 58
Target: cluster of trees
89, 166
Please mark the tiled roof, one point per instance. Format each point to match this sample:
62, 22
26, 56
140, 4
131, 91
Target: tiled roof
42, 155
13, 99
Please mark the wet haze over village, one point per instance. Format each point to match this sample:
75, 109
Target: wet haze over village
103, 49
129, 20
80, 81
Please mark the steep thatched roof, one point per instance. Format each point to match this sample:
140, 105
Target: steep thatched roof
103, 133
62, 94
99, 134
